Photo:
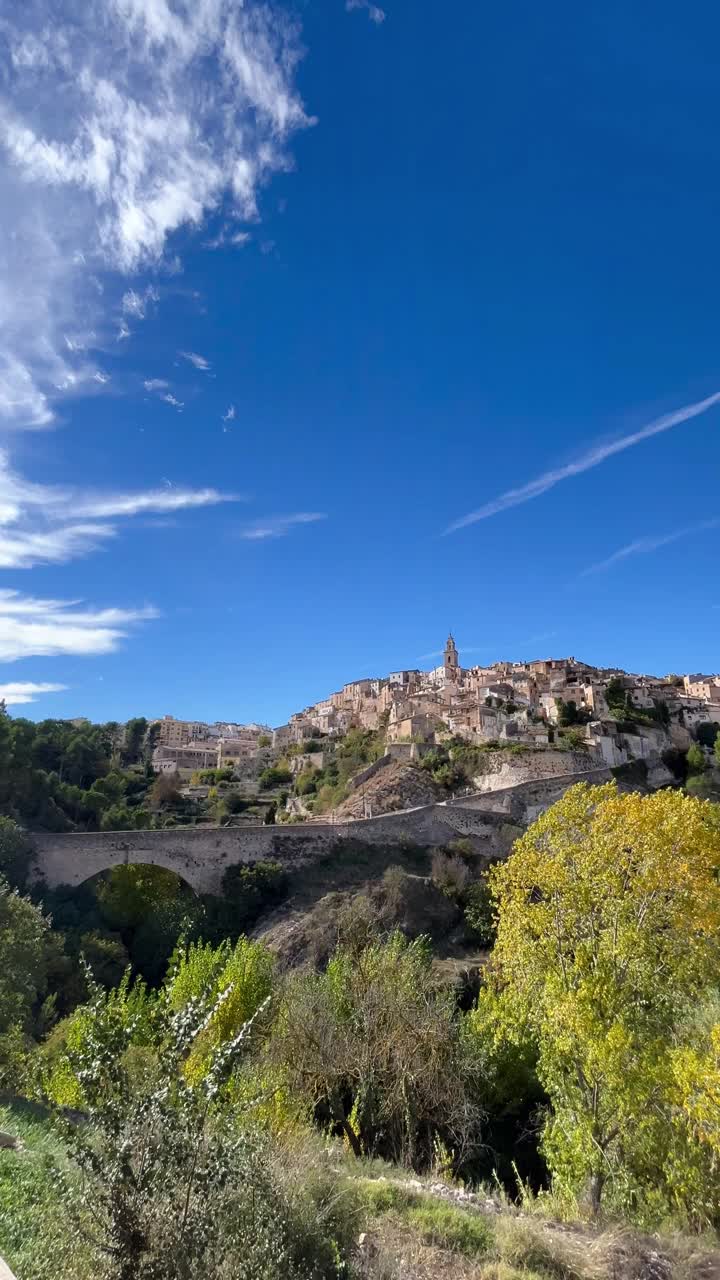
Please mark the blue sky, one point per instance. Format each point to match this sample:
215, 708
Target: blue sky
328, 328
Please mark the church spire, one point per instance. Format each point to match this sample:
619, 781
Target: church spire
451, 660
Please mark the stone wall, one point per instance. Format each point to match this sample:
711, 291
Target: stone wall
508, 768
525, 802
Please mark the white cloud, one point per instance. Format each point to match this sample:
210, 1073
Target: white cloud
121, 122
32, 627
23, 691
591, 458
50, 524
227, 236
155, 500
199, 361
135, 304
156, 384
278, 526
229, 415
374, 12
643, 546
54, 546
169, 398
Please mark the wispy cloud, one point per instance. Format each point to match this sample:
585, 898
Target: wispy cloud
169, 398
643, 546
152, 500
591, 458
136, 304
168, 112
226, 236
23, 691
374, 12
229, 415
198, 361
278, 526
156, 384
50, 524
33, 627
52, 546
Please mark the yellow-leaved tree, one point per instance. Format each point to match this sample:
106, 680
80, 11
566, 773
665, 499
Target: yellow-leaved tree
608, 914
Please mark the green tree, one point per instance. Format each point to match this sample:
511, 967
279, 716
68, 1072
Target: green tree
616, 696
16, 852
608, 926
236, 980
24, 953
374, 1043
696, 759
707, 734
135, 731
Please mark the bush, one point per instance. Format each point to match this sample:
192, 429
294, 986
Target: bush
449, 874
479, 913
171, 1187
376, 1045
707, 734
247, 893
275, 776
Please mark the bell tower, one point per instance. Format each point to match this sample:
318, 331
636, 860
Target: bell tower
451, 660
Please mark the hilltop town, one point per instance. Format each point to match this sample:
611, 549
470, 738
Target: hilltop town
542, 705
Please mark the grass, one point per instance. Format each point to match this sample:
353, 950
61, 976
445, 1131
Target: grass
431, 1220
439, 1238
453, 1229
36, 1240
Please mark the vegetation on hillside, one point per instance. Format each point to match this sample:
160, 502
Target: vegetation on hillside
231, 1110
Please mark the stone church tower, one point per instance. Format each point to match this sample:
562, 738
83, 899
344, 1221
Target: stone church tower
451, 660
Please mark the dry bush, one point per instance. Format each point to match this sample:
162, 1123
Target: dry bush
394, 883
449, 874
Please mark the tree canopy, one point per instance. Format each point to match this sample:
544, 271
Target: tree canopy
608, 927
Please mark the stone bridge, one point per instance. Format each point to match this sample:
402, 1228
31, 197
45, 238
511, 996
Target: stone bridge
201, 855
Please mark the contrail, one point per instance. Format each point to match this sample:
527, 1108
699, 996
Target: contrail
644, 545
593, 458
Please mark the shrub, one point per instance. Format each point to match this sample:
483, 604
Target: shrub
479, 913
172, 1188
449, 874
376, 1045
275, 776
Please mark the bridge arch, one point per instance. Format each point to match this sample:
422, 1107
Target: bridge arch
201, 855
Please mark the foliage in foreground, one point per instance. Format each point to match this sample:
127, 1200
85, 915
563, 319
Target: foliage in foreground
374, 1045
608, 931
174, 1183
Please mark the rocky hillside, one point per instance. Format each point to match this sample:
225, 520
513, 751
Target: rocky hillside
397, 786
